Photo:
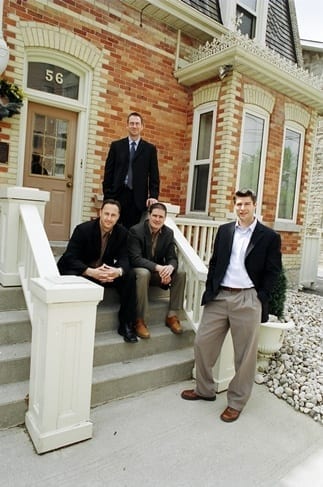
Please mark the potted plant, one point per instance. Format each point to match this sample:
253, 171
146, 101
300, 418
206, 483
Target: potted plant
11, 99
272, 332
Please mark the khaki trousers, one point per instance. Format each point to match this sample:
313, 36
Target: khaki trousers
145, 278
241, 312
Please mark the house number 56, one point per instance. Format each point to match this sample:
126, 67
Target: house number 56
57, 77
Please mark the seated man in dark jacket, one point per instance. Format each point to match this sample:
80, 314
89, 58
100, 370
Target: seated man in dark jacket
97, 250
152, 253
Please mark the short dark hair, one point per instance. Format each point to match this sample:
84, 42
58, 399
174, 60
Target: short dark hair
159, 206
110, 201
135, 114
241, 193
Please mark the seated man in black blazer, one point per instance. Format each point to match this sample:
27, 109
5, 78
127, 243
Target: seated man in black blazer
152, 253
97, 250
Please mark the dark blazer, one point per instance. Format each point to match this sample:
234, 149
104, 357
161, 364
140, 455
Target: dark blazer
262, 261
140, 247
84, 248
145, 171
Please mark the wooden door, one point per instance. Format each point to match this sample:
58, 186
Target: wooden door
49, 163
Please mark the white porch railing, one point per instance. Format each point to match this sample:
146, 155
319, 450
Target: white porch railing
35, 257
196, 273
62, 312
200, 234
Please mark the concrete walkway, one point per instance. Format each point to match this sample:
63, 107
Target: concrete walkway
156, 439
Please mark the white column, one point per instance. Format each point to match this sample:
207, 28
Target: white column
61, 361
223, 371
10, 200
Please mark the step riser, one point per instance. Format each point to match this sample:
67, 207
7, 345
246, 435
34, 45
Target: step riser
18, 369
127, 386
13, 413
110, 351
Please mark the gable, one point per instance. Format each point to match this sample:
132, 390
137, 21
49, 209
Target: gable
207, 7
279, 32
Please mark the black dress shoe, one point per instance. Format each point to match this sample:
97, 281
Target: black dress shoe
128, 333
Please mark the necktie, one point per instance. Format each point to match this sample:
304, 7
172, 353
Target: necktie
131, 156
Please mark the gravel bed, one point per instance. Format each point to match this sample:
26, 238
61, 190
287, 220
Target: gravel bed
295, 373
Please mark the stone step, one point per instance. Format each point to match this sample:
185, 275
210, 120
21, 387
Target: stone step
12, 298
161, 360
129, 377
111, 381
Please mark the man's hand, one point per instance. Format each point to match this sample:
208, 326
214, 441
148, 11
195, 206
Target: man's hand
165, 273
151, 201
103, 274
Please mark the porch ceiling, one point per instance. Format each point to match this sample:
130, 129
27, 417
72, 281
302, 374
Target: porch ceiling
257, 68
179, 16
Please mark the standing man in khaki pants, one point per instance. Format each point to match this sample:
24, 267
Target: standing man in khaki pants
245, 264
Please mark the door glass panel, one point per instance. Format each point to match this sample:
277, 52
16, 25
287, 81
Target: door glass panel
200, 181
49, 146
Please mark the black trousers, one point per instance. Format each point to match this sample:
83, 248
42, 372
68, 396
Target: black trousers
130, 215
126, 289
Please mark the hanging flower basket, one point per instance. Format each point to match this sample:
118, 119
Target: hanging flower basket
11, 99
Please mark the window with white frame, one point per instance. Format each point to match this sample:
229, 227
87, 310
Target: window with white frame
250, 15
246, 11
291, 166
201, 158
253, 148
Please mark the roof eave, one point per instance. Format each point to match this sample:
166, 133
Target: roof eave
261, 70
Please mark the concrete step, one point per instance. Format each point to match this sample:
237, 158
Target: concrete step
15, 327
115, 380
120, 369
121, 379
12, 298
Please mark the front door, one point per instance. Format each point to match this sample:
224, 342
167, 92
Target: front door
49, 163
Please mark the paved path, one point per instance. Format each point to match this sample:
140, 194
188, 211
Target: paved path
158, 440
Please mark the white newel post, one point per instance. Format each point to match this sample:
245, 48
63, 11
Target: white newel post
223, 371
10, 200
61, 361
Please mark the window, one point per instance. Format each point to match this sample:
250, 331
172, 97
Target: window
253, 151
246, 11
201, 156
290, 173
253, 17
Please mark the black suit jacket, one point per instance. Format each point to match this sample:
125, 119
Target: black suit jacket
262, 262
84, 248
140, 247
145, 171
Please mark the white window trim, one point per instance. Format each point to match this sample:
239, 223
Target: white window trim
257, 112
295, 127
228, 13
207, 107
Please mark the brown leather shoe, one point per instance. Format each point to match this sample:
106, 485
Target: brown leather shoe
141, 329
173, 323
229, 415
190, 395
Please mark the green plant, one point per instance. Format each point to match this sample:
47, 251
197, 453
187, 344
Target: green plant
11, 99
11, 91
278, 296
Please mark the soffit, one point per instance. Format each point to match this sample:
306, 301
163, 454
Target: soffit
179, 16
254, 67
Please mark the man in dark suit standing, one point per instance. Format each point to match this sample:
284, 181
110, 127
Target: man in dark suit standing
97, 250
152, 253
131, 173
243, 269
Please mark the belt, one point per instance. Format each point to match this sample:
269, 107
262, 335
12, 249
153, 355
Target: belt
235, 289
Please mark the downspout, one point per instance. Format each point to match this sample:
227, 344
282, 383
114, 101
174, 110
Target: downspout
177, 49
4, 50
